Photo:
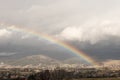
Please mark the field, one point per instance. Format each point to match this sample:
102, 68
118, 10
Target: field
98, 79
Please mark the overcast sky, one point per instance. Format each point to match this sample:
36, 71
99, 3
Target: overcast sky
92, 26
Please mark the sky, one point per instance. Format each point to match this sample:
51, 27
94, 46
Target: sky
91, 26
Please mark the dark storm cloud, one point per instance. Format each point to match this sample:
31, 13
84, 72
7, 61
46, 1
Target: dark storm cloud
17, 45
105, 50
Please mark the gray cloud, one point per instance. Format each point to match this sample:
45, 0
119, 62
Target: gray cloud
7, 54
91, 33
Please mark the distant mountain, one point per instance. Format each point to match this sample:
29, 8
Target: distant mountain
42, 59
74, 60
111, 62
45, 60
35, 60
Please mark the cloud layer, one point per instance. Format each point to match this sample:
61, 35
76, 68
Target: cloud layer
81, 20
91, 33
89, 25
7, 54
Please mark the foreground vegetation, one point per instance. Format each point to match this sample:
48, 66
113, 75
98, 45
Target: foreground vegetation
59, 74
97, 79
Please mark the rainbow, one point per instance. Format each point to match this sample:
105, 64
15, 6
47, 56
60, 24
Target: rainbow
56, 41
